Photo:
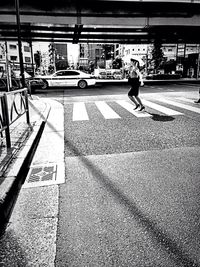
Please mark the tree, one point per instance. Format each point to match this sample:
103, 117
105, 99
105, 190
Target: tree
107, 51
61, 64
117, 63
157, 54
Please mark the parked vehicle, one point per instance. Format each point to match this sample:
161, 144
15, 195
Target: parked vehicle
16, 84
115, 74
64, 78
31, 83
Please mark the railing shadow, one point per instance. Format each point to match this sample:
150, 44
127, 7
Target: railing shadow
161, 236
151, 226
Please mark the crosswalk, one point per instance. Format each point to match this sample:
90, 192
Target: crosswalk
80, 112
175, 107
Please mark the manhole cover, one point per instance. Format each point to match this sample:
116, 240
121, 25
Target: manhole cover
38, 174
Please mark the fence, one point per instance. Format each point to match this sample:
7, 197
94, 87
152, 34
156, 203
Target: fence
13, 105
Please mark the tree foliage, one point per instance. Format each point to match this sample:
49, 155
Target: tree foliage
157, 54
61, 64
117, 63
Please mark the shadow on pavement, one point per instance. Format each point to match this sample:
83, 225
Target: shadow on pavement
12, 252
157, 117
151, 226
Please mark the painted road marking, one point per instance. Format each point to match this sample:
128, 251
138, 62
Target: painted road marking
130, 108
160, 108
106, 110
80, 112
186, 99
180, 105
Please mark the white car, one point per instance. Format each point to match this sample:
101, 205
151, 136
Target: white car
63, 78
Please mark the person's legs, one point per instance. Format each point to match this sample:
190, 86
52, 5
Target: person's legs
198, 101
131, 94
139, 101
132, 98
133, 91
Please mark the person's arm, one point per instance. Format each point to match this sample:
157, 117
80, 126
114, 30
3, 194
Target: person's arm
140, 78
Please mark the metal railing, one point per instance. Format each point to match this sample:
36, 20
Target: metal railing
13, 105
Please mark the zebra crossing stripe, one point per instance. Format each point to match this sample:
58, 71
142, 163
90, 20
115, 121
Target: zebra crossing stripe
160, 108
185, 99
106, 110
80, 112
130, 107
180, 105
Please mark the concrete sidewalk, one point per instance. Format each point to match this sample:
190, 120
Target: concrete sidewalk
14, 162
30, 235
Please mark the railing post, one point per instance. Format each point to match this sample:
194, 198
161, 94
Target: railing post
27, 107
6, 120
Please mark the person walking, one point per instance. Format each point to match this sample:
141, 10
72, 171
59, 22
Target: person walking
135, 80
198, 101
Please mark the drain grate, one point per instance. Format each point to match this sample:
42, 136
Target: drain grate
42, 174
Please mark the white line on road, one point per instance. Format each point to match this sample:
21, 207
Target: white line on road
180, 105
160, 108
130, 108
106, 110
186, 99
80, 112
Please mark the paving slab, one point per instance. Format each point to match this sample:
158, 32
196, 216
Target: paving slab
30, 236
12, 160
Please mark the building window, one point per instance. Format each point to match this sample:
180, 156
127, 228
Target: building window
27, 59
13, 58
169, 50
13, 47
26, 48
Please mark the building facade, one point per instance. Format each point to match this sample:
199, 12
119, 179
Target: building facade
13, 56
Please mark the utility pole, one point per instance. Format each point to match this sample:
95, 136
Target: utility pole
32, 61
198, 61
20, 43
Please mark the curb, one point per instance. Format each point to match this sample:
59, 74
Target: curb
11, 185
147, 82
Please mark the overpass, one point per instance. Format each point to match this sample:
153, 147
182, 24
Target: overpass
102, 21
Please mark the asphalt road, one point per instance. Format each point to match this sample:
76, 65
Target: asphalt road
131, 196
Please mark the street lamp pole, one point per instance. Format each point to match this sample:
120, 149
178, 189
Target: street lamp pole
198, 61
20, 43
8, 76
32, 61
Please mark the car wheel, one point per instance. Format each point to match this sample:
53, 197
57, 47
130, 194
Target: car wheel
45, 84
82, 84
